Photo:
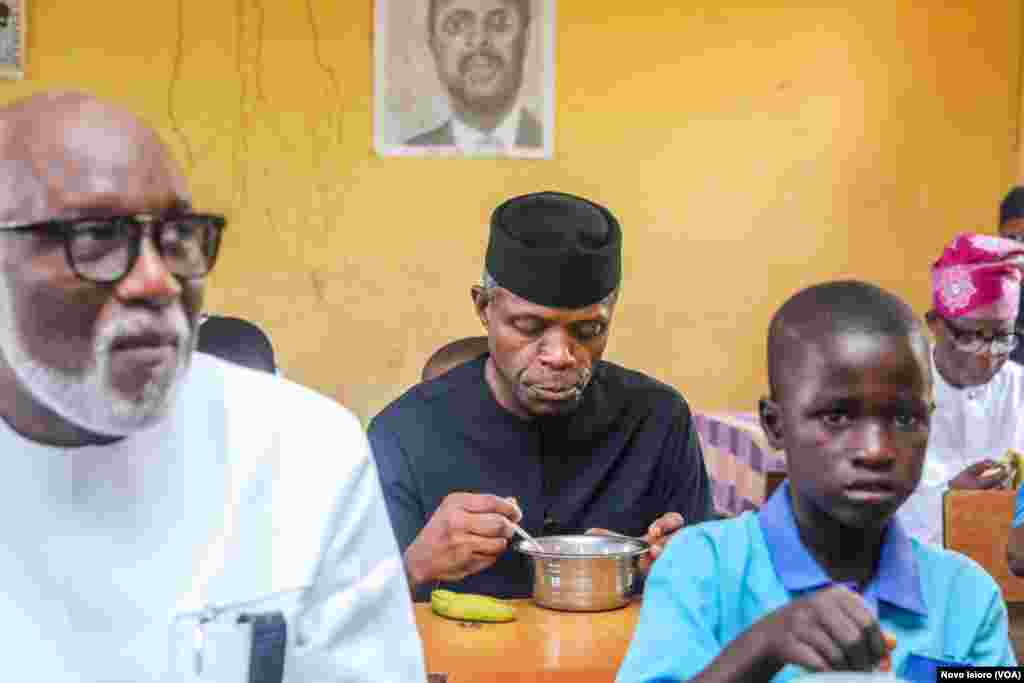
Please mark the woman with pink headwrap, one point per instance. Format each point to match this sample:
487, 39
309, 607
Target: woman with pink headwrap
979, 397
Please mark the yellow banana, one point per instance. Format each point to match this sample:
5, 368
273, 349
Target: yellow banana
470, 607
1015, 462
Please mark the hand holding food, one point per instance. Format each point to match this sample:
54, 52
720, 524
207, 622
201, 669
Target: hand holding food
471, 607
829, 630
465, 535
986, 474
1013, 462
890, 644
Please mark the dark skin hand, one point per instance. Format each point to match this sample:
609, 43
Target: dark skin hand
658, 534
465, 535
829, 630
978, 477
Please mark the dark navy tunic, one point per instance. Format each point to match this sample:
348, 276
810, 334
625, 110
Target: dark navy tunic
626, 456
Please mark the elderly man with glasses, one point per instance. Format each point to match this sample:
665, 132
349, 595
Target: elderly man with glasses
169, 516
979, 397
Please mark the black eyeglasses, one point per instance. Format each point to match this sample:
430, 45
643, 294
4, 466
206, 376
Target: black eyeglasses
104, 250
969, 341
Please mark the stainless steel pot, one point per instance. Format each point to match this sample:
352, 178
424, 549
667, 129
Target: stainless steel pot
584, 573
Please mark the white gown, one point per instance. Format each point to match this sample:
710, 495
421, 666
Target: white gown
968, 425
255, 495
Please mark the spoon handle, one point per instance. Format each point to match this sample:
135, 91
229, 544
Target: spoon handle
522, 532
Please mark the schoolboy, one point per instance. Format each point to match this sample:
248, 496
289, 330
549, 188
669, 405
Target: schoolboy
812, 580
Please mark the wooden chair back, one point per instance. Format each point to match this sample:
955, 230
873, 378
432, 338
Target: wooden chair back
977, 524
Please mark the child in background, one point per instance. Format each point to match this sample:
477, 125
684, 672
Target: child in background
824, 577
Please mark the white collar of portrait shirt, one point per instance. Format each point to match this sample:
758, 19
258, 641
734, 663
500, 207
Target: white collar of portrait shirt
501, 138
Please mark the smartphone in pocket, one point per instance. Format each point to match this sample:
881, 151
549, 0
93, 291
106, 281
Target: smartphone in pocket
235, 644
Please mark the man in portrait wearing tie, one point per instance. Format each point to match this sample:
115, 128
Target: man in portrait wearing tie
479, 48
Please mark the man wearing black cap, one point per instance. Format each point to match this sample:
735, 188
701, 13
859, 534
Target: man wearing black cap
539, 431
1011, 226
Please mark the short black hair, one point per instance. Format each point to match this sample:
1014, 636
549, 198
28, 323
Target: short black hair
523, 5
838, 307
1012, 205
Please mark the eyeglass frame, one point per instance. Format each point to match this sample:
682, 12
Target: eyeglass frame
957, 335
66, 229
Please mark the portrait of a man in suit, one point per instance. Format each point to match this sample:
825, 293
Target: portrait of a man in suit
465, 77
479, 48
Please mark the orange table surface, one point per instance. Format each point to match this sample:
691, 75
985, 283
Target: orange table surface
540, 645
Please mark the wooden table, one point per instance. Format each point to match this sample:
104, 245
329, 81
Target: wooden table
540, 645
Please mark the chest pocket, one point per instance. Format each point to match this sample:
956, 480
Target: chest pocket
245, 642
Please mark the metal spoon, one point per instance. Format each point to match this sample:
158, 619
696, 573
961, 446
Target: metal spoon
530, 539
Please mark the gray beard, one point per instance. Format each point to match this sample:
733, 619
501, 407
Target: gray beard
86, 398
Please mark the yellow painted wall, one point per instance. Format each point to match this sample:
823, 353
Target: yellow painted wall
747, 150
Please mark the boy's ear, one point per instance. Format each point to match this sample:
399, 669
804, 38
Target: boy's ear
771, 421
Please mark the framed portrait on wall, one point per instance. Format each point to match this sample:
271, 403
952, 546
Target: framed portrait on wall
12, 38
464, 78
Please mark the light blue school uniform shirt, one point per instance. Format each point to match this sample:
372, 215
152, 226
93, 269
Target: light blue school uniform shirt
715, 580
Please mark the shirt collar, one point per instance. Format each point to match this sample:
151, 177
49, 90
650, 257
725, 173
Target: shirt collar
896, 582
470, 138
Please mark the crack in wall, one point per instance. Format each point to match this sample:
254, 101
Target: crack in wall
261, 95
320, 185
319, 285
268, 116
176, 64
241, 147
328, 70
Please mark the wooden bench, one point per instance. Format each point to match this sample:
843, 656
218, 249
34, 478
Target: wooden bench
977, 524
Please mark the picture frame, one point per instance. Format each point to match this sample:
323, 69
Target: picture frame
13, 26
427, 53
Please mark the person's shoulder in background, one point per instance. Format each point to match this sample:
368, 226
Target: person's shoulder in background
237, 340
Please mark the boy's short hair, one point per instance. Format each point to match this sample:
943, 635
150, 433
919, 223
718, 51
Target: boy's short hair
839, 307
